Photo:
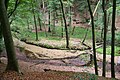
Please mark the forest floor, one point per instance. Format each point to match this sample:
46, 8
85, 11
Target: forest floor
48, 75
38, 63
54, 60
42, 71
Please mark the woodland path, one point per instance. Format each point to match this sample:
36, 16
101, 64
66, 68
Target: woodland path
57, 62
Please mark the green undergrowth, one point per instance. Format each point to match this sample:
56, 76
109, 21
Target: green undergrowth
45, 45
108, 50
78, 33
57, 45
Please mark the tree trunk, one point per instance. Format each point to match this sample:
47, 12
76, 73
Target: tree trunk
12, 61
93, 37
73, 30
36, 30
70, 20
104, 40
113, 40
66, 30
44, 25
39, 21
43, 3
28, 24
6, 4
35, 26
62, 29
98, 2
101, 35
85, 36
0, 41
49, 29
53, 31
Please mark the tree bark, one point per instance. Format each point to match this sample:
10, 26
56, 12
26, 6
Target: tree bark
49, 29
12, 61
0, 40
98, 2
36, 30
66, 30
85, 36
6, 4
28, 24
113, 40
62, 29
104, 40
70, 19
93, 38
39, 21
53, 31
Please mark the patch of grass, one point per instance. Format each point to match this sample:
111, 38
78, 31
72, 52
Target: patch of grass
80, 32
108, 50
41, 35
53, 38
45, 45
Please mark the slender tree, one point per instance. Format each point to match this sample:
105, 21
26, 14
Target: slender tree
34, 16
39, 21
66, 30
62, 28
43, 14
49, 29
39, 14
1, 35
54, 18
12, 61
113, 40
95, 10
93, 37
105, 30
0, 40
28, 24
54, 11
70, 15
